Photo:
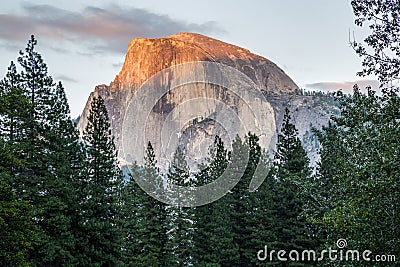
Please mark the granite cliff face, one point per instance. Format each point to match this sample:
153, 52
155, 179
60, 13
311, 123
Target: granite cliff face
147, 57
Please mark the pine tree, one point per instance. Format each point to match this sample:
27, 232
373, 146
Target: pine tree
262, 221
101, 208
213, 239
246, 204
180, 219
156, 212
290, 172
146, 217
13, 107
290, 155
204, 248
14, 117
34, 182
18, 232
17, 229
66, 159
38, 86
41, 136
239, 158
131, 198
360, 147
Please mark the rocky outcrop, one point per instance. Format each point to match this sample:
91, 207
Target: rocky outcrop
147, 57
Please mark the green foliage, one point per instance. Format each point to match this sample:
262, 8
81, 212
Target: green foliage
14, 107
354, 192
289, 178
42, 155
381, 57
244, 201
213, 239
231, 230
290, 156
180, 220
359, 170
18, 233
145, 217
101, 208
65, 204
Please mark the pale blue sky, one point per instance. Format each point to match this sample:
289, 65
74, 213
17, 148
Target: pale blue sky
84, 42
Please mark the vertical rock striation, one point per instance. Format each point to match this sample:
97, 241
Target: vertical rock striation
146, 57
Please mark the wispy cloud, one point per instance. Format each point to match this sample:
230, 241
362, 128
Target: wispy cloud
65, 78
347, 87
106, 28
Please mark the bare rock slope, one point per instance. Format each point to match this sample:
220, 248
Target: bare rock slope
146, 57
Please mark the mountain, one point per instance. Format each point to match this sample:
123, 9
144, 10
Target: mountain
164, 61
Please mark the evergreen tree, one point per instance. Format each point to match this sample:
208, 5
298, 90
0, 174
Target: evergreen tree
131, 199
156, 213
146, 217
180, 220
38, 86
263, 223
17, 230
35, 182
39, 133
245, 202
290, 173
240, 196
14, 117
13, 108
213, 239
290, 155
204, 248
101, 208
66, 159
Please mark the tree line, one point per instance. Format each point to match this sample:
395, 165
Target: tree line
64, 201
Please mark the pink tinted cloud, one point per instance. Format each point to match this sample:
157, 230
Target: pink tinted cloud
112, 26
346, 87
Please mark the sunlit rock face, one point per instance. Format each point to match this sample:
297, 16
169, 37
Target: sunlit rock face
188, 115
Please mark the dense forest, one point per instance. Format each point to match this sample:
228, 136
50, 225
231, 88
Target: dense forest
64, 200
